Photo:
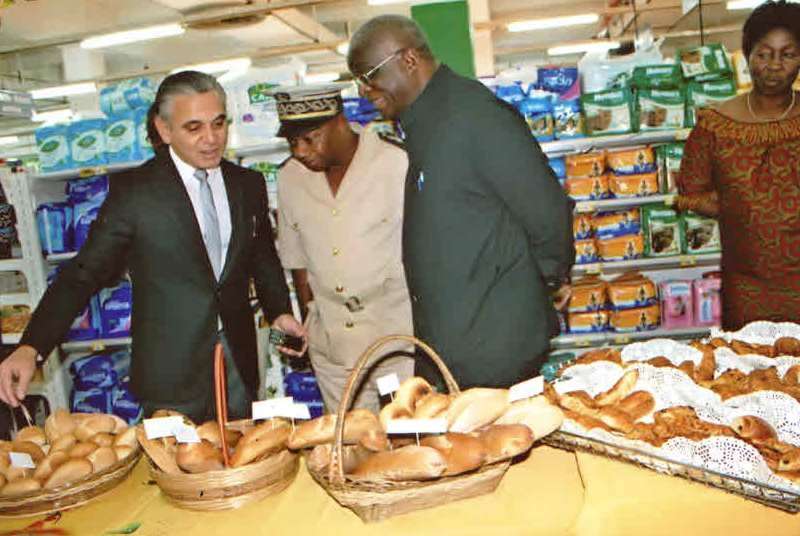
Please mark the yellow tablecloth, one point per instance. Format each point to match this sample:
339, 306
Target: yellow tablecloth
551, 493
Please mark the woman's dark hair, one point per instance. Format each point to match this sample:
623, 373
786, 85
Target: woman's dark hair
769, 16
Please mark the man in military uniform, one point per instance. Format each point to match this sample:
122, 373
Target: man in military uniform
340, 208
487, 236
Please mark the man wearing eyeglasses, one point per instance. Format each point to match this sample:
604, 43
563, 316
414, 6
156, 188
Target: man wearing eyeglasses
487, 234
340, 209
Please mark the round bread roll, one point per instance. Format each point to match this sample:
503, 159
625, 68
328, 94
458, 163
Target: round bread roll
119, 424
5, 446
352, 456
209, 431
34, 450
123, 451
20, 487
13, 474
57, 424
431, 406
5, 461
49, 464
64, 442
126, 438
33, 434
262, 441
94, 424
374, 441
102, 458
462, 452
536, 413
3, 480
393, 411
410, 392
475, 408
157, 452
505, 441
199, 457
102, 439
69, 471
81, 450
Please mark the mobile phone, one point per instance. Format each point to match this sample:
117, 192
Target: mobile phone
281, 338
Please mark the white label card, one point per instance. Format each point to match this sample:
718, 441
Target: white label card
187, 434
299, 411
22, 460
526, 389
416, 426
162, 426
274, 407
567, 386
388, 384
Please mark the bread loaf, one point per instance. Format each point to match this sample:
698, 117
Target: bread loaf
34, 450
616, 419
64, 442
754, 428
32, 434
102, 458
60, 422
3, 480
393, 411
210, 432
620, 390
321, 430
119, 424
83, 449
68, 472
431, 406
536, 413
352, 456
94, 424
407, 463
262, 441
20, 487
126, 438
374, 441
461, 452
157, 453
102, 439
637, 404
579, 402
49, 464
410, 392
505, 441
123, 451
475, 408
787, 346
172, 413
13, 474
199, 457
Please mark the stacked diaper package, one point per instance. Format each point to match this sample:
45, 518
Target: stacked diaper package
64, 226
117, 135
101, 384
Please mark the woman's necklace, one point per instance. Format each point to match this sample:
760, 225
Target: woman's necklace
783, 115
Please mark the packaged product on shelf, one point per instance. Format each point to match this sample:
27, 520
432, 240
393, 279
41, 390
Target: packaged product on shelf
537, 109
588, 294
617, 223
608, 112
741, 71
588, 188
711, 59
585, 165
633, 185
632, 161
14, 318
127, 95
559, 167
677, 304
707, 300
54, 221
92, 400
669, 166
593, 322
86, 325
87, 142
83, 215
586, 251
115, 311
661, 76
582, 227
512, 94
93, 371
632, 320
630, 291
620, 248
144, 150
701, 233
565, 82
568, 119
53, 148
124, 405
120, 136
303, 387
662, 109
92, 188
86, 196
662, 230
704, 94
360, 110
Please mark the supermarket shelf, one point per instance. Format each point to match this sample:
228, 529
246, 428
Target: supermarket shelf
655, 263
16, 298
11, 338
87, 172
603, 339
615, 204
12, 265
95, 345
584, 145
274, 145
60, 257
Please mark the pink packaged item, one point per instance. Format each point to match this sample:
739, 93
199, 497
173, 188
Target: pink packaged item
677, 304
707, 300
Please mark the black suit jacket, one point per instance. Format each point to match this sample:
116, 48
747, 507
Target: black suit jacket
147, 225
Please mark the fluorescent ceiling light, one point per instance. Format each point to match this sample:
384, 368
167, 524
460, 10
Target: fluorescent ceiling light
53, 116
385, 2
748, 4
320, 78
64, 91
132, 36
235, 64
577, 48
9, 140
343, 48
553, 22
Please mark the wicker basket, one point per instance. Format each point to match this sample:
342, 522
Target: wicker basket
74, 494
376, 501
230, 487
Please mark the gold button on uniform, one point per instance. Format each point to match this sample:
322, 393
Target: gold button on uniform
335, 212
335, 251
339, 289
349, 324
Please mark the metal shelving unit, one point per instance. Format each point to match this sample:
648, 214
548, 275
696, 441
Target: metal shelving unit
588, 144
648, 263
589, 340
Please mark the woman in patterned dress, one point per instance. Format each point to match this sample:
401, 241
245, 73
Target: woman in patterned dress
741, 165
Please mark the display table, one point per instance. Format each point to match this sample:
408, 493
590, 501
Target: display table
552, 492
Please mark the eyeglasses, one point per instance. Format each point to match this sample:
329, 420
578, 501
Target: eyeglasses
366, 78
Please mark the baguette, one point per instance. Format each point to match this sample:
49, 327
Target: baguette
410, 392
505, 441
49, 464
13, 474
431, 406
3, 481
157, 452
536, 413
102, 458
637, 404
393, 411
262, 441
687, 367
475, 408
32, 434
375, 441
620, 390
68, 472
352, 456
792, 376
57, 424
210, 432
199, 457
20, 487
406, 463
462, 452
321, 430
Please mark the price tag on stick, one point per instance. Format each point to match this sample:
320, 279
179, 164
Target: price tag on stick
186, 434
274, 407
388, 384
21, 460
416, 426
526, 389
162, 426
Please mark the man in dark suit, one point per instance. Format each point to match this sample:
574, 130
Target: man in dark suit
487, 234
192, 230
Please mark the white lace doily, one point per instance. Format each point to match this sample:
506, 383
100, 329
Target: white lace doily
727, 359
761, 332
675, 351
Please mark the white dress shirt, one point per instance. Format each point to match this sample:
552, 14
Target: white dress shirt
218, 192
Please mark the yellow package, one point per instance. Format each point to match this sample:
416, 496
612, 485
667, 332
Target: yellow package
588, 294
621, 248
593, 322
642, 319
585, 165
588, 188
586, 251
582, 228
741, 71
617, 223
632, 291
634, 185
632, 161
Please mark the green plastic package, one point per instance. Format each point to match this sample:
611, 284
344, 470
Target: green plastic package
609, 112
702, 234
701, 95
669, 158
663, 232
661, 109
659, 76
704, 60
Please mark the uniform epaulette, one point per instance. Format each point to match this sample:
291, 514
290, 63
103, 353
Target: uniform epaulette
393, 139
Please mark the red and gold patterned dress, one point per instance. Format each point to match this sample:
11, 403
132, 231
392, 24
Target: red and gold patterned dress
747, 175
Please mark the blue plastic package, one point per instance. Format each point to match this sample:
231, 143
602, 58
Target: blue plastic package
144, 150
84, 214
563, 81
112, 100
124, 404
568, 119
54, 221
115, 311
87, 142
302, 386
538, 113
93, 400
93, 371
559, 167
86, 325
121, 138
83, 190
53, 148
138, 92
122, 363
512, 94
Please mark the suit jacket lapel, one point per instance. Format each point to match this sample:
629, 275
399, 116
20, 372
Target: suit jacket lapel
235, 191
